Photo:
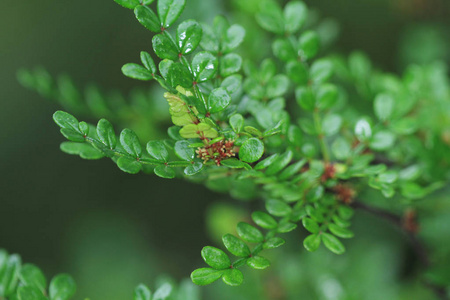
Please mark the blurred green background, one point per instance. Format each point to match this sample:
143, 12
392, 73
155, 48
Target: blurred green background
105, 227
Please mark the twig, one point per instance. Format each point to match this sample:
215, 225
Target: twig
416, 243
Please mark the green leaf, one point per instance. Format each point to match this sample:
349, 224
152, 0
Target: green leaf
309, 44
234, 163
249, 233
179, 74
218, 100
341, 148
233, 38
284, 50
235, 245
252, 150
321, 70
233, 277
277, 86
32, 276
332, 243
384, 106
204, 66
205, 276
266, 162
169, 11
62, 287
258, 262
295, 14
148, 62
327, 96
158, 150
232, 83
183, 151
340, 232
273, 243
286, 227
310, 225
297, 72
412, 190
264, 220
189, 35
136, 71
130, 142
388, 176
84, 150
305, 98
193, 169
278, 208
237, 122
106, 134
9, 273
271, 17
363, 130
163, 292
331, 124
164, 171
382, 140
164, 67
141, 292
216, 258
66, 121
292, 170
312, 242
280, 163
129, 165
131, 4
230, 64
72, 135
30, 293
164, 47
147, 18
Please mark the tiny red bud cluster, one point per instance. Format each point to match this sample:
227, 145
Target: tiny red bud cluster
217, 151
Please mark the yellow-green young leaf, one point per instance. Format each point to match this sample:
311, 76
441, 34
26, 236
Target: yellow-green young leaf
169, 11
295, 14
273, 243
204, 66
189, 34
264, 220
218, 100
312, 242
340, 232
141, 292
278, 208
235, 245
84, 150
309, 44
30, 293
148, 62
233, 277
164, 171
252, 150
205, 276
249, 233
310, 225
131, 4
32, 276
193, 131
258, 262
147, 18
62, 287
136, 71
164, 47
158, 150
216, 258
332, 243
129, 165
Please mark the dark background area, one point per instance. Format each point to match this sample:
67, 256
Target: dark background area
61, 212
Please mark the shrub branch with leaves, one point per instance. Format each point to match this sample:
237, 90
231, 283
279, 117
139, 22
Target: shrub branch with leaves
312, 160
